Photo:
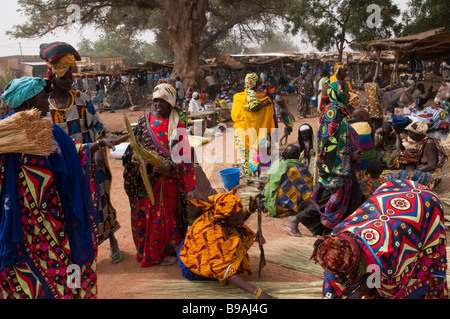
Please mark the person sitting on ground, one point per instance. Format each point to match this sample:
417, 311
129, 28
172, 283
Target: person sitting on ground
308, 150
400, 231
216, 246
388, 144
430, 154
289, 185
370, 184
399, 123
362, 124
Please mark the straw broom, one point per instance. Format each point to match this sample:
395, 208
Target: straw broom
143, 156
26, 132
184, 289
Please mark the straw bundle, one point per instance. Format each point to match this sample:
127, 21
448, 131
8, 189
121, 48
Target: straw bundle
294, 256
26, 132
150, 156
142, 156
184, 289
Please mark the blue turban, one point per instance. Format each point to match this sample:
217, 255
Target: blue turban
19, 90
400, 120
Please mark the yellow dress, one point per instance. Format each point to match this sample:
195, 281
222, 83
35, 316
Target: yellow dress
251, 130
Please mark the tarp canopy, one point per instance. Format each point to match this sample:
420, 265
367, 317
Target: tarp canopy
429, 45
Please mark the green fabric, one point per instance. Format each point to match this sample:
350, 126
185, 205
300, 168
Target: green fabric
274, 175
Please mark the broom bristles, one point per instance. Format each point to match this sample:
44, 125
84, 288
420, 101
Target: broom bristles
25, 132
150, 156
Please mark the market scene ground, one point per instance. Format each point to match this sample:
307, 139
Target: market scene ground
287, 274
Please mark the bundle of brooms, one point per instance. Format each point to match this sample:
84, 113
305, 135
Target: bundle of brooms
26, 132
143, 155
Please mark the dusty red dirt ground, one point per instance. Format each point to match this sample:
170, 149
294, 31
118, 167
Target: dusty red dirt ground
115, 281
124, 279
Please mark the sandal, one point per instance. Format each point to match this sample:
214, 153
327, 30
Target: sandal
291, 232
115, 258
168, 261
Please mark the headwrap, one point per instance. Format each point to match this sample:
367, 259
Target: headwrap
222, 205
304, 127
195, 95
52, 52
337, 254
166, 92
339, 66
400, 120
335, 92
60, 57
420, 128
19, 90
250, 80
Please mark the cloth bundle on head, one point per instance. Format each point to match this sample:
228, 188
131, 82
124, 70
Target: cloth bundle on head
250, 80
223, 205
304, 128
165, 92
60, 57
400, 120
339, 66
168, 93
338, 254
418, 128
335, 92
19, 90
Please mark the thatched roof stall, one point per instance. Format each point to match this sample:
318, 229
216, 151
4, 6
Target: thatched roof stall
429, 45
426, 46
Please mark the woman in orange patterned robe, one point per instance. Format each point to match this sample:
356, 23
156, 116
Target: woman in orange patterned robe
216, 245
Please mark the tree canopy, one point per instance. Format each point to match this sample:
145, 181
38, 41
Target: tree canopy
186, 30
339, 24
132, 50
424, 15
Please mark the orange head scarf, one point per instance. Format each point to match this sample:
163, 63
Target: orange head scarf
222, 205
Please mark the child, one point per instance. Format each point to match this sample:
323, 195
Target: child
288, 120
370, 185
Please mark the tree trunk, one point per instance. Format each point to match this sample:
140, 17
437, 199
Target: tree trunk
186, 20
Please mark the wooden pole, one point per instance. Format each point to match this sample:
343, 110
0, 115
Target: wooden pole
378, 65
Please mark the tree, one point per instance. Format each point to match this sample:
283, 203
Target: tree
340, 23
185, 22
134, 51
424, 15
278, 42
181, 25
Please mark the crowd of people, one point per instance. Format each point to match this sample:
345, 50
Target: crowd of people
368, 198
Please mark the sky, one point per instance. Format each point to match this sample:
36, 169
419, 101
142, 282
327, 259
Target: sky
10, 46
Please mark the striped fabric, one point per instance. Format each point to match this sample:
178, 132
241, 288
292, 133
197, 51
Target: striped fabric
52, 52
